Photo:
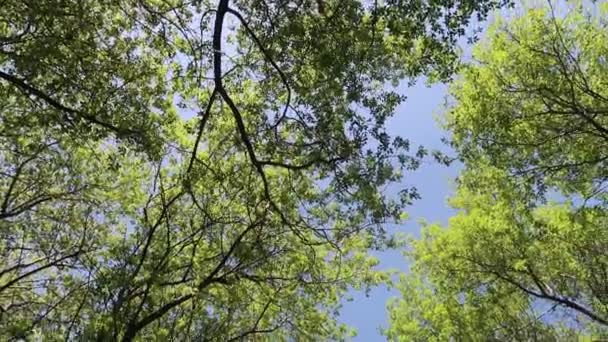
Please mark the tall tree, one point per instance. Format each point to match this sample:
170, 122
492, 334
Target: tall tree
122, 221
526, 257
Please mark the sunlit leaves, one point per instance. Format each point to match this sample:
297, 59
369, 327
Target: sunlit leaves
165, 180
524, 258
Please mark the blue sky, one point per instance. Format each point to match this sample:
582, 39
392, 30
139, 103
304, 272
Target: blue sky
415, 119
418, 120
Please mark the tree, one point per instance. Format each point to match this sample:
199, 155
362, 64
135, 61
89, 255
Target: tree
525, 257
122, 221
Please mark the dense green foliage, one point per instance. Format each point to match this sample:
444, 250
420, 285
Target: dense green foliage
526, 257
121, 220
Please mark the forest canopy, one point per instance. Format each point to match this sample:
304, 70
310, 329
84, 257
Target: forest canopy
526, 257
204, 170
180, 170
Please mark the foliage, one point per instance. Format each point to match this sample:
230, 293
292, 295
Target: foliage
525, 257
120, 220
535, 104
505, 271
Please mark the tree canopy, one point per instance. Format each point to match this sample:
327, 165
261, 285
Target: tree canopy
122, 219
526, 257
